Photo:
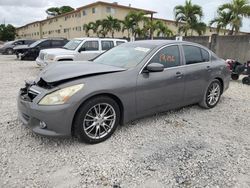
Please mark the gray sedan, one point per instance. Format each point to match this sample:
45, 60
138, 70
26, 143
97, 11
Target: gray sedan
90, 99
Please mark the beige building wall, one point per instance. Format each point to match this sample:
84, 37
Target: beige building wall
70, 25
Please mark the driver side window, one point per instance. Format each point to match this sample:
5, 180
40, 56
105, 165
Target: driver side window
168, 56
90, 46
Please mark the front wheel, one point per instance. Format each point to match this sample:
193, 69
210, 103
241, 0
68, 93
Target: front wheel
97, 119
9, 51
212, 95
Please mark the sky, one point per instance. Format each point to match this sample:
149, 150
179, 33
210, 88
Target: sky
21, 12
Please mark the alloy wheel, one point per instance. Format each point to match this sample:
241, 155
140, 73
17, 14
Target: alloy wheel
213, 95
99, 120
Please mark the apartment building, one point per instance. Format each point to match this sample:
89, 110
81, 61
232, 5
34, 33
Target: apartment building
70, 25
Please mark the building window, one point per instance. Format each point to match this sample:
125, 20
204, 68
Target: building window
93, 10
110, 10
84, 13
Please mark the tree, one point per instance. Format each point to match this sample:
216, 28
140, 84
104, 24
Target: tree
238, 10
188, 17
111, 24
132, 21
158, 27
221, 21
7, 33
54, 11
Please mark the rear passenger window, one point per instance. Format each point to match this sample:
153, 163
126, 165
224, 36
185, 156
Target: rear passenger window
90, 46
106, 45
55, 43
205, 55
192, 54
45, 44
169, 57
119, 42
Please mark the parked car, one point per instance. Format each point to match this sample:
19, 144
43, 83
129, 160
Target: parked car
7, 48
31, 52
130, 81
78, 49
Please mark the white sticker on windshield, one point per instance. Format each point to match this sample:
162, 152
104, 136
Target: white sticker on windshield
142, 49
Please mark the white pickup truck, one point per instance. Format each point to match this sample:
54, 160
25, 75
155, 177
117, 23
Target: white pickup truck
78, 49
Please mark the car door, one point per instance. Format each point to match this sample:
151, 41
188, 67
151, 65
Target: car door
106, 45
88, 51
158, 91
197, 72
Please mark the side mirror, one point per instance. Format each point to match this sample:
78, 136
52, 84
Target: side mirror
82, 49
155, 67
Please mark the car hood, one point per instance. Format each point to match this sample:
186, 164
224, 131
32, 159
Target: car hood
21, 47
58, 51
63, 71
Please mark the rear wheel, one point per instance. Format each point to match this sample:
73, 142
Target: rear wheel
234, 76
212, 95
246, 80
97, 120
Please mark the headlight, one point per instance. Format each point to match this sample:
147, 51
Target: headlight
60, 96
49, 57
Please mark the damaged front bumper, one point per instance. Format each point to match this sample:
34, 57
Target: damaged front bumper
43, 120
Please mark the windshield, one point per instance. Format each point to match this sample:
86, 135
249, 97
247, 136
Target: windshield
36, 43
125, 56
72, 45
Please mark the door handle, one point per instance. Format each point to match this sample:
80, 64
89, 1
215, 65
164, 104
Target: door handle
179, 75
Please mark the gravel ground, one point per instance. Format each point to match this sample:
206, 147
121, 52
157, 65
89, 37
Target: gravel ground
190, 147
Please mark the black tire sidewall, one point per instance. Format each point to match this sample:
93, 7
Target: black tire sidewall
207, 92
81, 113
235, 76
246, 80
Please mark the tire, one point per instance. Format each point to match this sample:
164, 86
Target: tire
246, 80
234, 76
212, 95
93, 127
9, 51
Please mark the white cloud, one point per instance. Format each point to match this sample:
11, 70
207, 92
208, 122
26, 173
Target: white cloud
20, 12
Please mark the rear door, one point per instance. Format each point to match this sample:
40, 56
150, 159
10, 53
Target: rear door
159, 91
197, 72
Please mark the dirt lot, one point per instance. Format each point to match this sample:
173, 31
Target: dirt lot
190, 147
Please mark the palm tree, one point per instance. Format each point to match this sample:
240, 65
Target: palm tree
238, 10
163, 30
87, 28
188, 17
221, 21
132, 21
111, 25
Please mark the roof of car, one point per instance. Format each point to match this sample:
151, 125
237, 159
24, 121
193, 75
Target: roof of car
95, 38
156, 43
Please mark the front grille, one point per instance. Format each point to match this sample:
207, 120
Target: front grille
32, 94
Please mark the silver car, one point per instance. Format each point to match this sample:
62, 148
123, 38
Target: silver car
90, 99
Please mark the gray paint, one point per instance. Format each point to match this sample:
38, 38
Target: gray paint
140, 93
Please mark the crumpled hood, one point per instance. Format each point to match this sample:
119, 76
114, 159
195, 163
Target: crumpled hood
58, 51
62, 71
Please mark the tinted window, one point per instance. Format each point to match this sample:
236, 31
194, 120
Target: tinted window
90, 46
169, 57
119, 42
205, 55
45, 44
106, 45
192, 54
56, 43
